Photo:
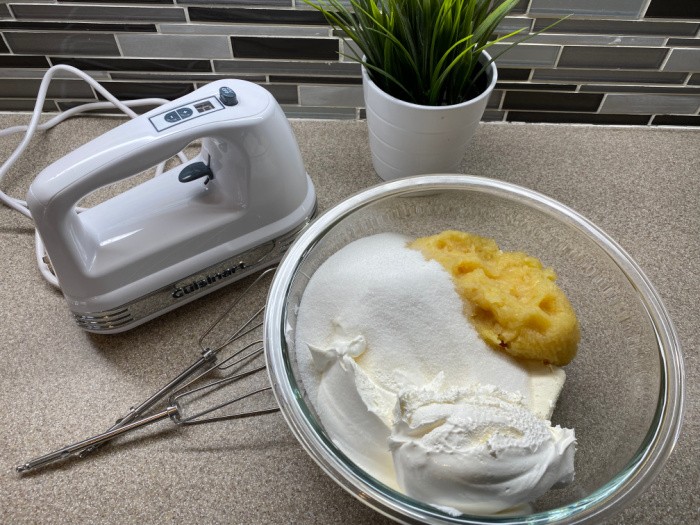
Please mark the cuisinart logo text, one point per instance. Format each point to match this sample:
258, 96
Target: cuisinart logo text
207, 280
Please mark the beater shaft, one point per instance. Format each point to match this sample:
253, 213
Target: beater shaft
208, 357
183, 388
93, 441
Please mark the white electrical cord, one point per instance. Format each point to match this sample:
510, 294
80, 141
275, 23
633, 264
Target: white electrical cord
20, 205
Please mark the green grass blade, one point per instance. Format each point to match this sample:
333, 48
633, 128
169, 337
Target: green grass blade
423, 51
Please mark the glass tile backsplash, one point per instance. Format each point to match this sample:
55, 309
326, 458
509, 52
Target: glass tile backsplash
612, 62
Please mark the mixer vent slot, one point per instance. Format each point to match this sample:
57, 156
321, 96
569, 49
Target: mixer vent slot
107, 320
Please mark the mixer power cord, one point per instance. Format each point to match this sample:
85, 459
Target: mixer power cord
30, 129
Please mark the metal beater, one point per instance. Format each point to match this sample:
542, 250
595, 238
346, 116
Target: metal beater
207, 375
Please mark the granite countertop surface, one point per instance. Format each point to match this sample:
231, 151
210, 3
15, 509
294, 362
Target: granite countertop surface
59, 384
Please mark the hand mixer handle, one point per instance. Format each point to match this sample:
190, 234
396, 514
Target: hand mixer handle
155, 135
125, 151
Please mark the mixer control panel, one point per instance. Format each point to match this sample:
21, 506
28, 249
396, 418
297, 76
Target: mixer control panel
190, 111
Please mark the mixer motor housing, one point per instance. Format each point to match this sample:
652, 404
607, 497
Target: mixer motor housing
230, 211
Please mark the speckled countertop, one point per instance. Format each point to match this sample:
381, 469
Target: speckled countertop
59, 384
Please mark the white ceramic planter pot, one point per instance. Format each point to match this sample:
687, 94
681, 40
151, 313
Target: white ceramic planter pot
410, 139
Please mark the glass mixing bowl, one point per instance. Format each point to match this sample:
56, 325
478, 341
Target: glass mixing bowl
624, 390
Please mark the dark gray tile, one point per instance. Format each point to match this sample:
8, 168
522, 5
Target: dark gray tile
244, 29
619, 27
4, 11
551, 101
694, 79
202, 78
676, 120
493, 115
285, 48
683, 59
273, 3
495, 99
171, 2
58, 88
34, 62
612, 57
530, 86
132, 90
513, 73
3, 46
134, 64
673, 9
520, 8
77, 26
39, 73
256, 16
577, 118
72, 44
98, 12
597, 75
64, 105
589, 8
651, 104
17, 104
683, 42
625, 88
271, 67
303, 79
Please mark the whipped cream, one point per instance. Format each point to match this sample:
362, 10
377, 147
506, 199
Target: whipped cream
476, 450
355, 411
384, 347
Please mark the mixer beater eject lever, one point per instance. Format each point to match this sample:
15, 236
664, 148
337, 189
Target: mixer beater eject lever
229, 212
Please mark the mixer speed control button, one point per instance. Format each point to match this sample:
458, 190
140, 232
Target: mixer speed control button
172, 117
184, 112
183, 115
228, 96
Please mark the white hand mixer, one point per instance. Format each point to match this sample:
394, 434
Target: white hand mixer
230, 211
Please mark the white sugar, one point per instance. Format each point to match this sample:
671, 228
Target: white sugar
409, 313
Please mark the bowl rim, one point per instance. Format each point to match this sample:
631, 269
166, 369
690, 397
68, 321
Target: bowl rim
606, 500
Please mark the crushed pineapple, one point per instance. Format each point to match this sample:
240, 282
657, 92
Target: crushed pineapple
511, 298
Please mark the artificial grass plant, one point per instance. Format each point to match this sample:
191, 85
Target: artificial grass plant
421, 51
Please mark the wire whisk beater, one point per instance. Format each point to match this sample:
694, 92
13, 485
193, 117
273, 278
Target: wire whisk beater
226, 382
